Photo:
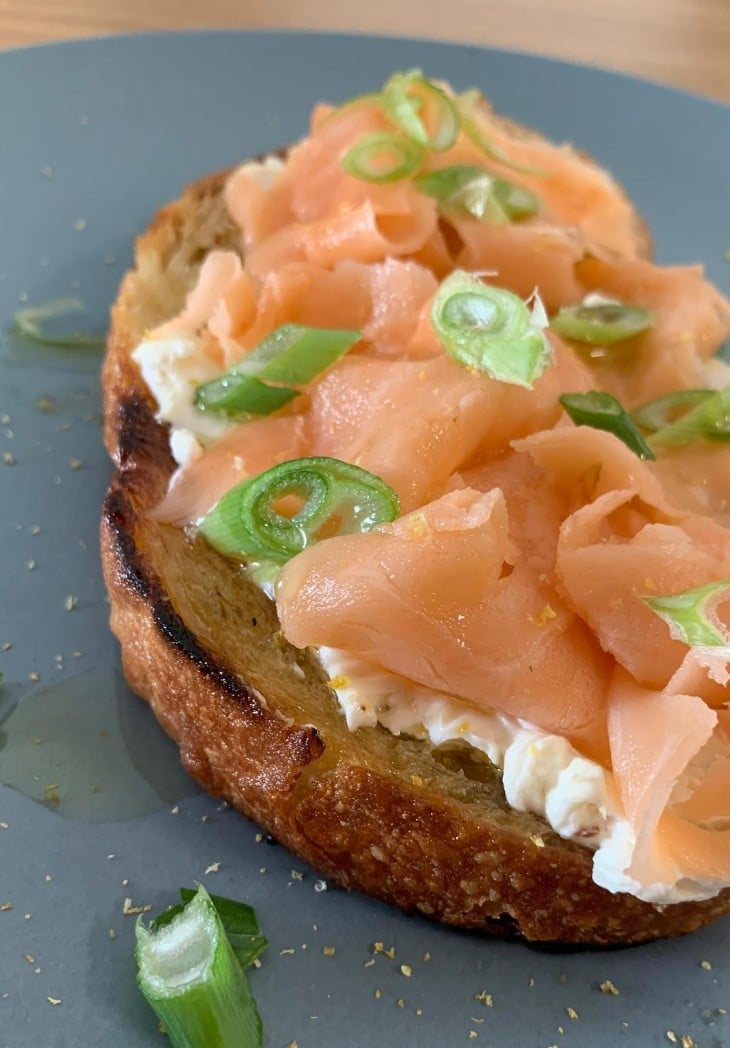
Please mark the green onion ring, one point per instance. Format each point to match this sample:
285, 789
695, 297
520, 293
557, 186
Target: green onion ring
663, 411
383, 157
603, 411
490, 329
708, 420
601, 325
291, 355
471, 189
414, 102
244, 523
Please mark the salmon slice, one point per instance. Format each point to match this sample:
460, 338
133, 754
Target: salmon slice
220, 273
696, 477
433, 597
243, 452
612, 553
691, 320
414, 423
653, 737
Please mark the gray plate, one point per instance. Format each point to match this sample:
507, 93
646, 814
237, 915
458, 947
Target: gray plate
95, 136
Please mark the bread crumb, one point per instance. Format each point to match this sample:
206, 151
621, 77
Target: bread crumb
287, 953
706, 965
5, 906
328, 951
112, 934
30, 958
486, 999
9, 458
537, 840
419, 1011
416, 780
296, 875
259, 837
608, 987
377, 995
472, 1035
213, 868
688, 1042
370, 963
546, 615
401, 1003
572, 1013
130, 911
426, 957
70, 602
53, 1000
671, 1036
406, 970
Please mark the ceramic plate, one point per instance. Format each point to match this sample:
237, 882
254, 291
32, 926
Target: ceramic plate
98, 818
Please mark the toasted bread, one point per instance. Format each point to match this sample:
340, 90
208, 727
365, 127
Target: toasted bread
425, 828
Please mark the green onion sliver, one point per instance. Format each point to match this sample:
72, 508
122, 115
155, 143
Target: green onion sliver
664, 411
191, 977
602, 411
491, 330
291, 355
336, 497
470, 189
691, 615
383, 156
46, 324
467, 106
601, 325
424, 111
709, 419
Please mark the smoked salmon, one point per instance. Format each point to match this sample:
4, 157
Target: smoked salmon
518, 577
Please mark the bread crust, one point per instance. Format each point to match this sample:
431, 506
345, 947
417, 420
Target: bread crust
428, 830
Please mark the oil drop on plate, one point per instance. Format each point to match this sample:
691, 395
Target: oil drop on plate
89, 749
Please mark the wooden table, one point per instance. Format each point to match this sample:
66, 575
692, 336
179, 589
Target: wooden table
680, 42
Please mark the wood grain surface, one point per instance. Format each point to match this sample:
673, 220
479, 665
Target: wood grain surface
681, 42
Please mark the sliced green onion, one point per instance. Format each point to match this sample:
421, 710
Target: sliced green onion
691, 615
383, 156
291, 355
656, 414
467, 106
466, 187
601, 324
336, 497
602, 411
491, 330
239, 923
45, 324
189, 974
424, 111
708, 420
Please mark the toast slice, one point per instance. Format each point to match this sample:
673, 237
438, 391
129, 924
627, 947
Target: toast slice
425, 828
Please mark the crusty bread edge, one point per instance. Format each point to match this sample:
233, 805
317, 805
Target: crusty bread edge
363, 827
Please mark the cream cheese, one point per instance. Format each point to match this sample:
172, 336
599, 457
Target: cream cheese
541, 773
172, 368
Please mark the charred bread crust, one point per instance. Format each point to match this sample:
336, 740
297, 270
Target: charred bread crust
426, 829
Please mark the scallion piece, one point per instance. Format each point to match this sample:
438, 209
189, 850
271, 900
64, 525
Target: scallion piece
691, 615
601, 325
470, 189
491, 330
336, 498
424, 111
383, 156
48, 324
709, 419
291, 356
467, 107
656, 414
189, 974
603, 411
239, 923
